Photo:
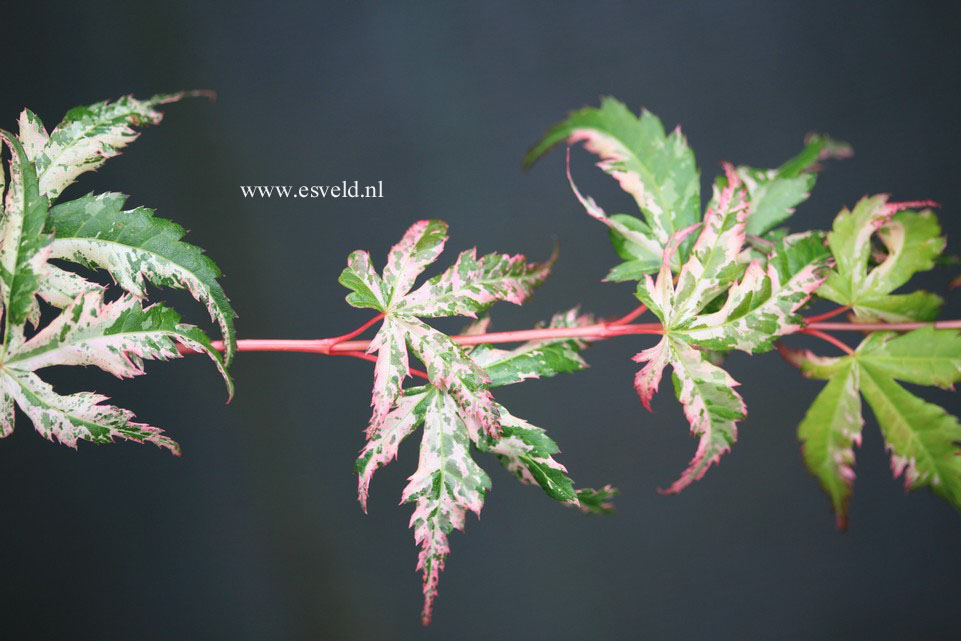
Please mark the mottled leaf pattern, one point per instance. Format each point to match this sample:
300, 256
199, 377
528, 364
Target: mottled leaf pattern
70, 418
456, 409
467, 288
472, 284
711, 406
758, 308
525, 450
23, 245
445, 486
135, 246
86, 137
535, 358
115, 336
762, 305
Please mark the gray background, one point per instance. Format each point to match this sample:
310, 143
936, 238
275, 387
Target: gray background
255, 532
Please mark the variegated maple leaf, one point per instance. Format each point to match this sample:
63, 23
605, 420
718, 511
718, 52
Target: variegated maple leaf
115, 336
863, 280
448, 482
923, 439
745, 314
94, 231
456, 409
659, 172
468, 287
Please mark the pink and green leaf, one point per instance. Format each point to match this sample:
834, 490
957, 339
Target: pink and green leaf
763, 305
421, 245
81, 416
390, 370
471, 285
445, 486
88, 136
656, 169
24, 246
136, 247
712, 265
711, 406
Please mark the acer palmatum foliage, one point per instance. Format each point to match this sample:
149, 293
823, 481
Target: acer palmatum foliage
732, 279
91, 232
742, 282
456, 408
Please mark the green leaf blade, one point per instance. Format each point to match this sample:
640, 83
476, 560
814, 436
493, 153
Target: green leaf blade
135, 246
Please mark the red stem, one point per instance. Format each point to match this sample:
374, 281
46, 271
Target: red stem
628, 318
825, 316
827, 338
598, 331
879, 327
357, 332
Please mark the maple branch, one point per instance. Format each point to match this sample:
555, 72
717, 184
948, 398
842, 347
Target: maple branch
599, 331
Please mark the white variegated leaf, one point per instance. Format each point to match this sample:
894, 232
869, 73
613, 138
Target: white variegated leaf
60, 287
451, 370
24, 247
381, 446
706, 392
116, 337
33, 136
469, 287
525, 450
89, 135
445, 486
8, 408
390, 370
421, 245
472, 284
136, 247
712, 265
81, 416
763, 304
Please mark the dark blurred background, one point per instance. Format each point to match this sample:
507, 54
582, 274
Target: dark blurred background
255, 533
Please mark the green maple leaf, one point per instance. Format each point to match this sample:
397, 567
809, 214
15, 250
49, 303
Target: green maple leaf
911, 242
922, 438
